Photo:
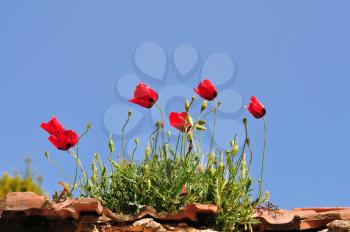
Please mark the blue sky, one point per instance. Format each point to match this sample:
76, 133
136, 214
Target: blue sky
65, 59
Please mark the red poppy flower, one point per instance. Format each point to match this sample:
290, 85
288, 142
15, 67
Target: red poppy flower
256, 108
180, 121
206, 90
61, 138
144, 96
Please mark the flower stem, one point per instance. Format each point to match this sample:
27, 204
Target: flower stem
262, 162
76, 156
177, 143
123, 148
213, 133
162, 117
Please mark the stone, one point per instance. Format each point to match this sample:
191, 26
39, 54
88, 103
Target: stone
339, 226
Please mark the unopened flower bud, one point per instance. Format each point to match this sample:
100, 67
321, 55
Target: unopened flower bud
94, 172
145, 169
221, 166
88, 125
129, 113
111, 144
193, 98
200, 127
201, 122
47, 154
136, 141
245, 121
149, 184
234, 150
204, 105
159, 124
187, 105
232, 143
248, 141
147, 151
211, 157
169, 133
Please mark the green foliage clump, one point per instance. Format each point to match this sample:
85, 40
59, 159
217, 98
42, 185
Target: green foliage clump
17, 183
169, 177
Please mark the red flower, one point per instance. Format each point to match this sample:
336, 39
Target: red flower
180, 121
206, 90
144, 96
256, 108
61, 138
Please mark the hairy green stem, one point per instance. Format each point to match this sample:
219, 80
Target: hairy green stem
262, 162
123, 129
162, 117
213, 133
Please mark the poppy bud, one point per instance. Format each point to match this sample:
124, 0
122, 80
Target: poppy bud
111, 144
247, 141
129, 113
245, 121
187, 105
169, 133
221, 167
136, 141
149, 184
47, 155
200, 127
234, 150
228, 152
204, 105
147, 151
94, 172
218, 104
159, 124
193, 98
201, 122
88, 126
211, 158
145, 169
232, 143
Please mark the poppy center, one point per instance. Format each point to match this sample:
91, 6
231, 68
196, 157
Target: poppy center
150, 99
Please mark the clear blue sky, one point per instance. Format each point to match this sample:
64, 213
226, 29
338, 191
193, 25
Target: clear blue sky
66, 58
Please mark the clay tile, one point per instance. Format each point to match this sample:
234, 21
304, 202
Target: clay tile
21, 201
